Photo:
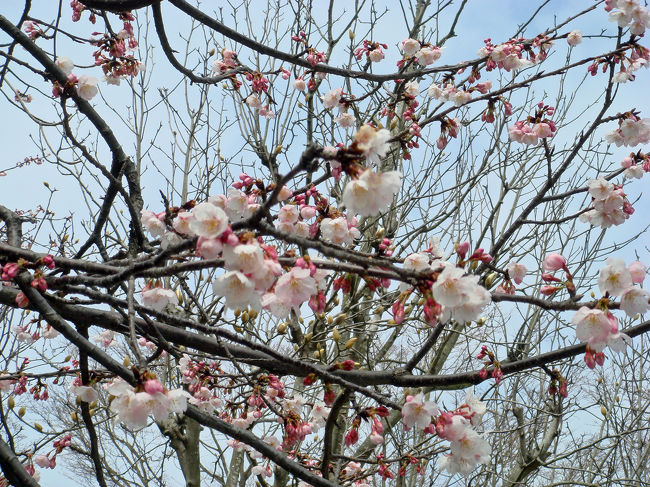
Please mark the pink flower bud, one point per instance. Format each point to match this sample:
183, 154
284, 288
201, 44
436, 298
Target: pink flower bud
638, 271
462, 249
554, 262
153, 386
548, 290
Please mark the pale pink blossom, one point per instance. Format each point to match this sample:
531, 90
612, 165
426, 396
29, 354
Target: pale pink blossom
338, 231
372, 142
418, 412
238, 290
634, 300
593, 327
153, 223
158, 298
345, 119
332, 98
208, 248
614, 277
428, 55
295, 287
409, 47
285, 193
254, 102
372, 192
517, 272
574, 38
417, 262
87, 87
246, 258
299, 84
376, 55
209, 221
182, 222
65, 64
637, 271
412, 88
288, 214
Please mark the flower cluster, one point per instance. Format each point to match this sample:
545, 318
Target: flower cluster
374, 51
635, 165
134, 405
631, 131
372, 192
112, 52
535, 127
611, 207
84, 85
468, 448
157, 297
629, 12
424, 54
508, 56
449, 92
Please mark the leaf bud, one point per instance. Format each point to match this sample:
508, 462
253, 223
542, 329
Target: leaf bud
336, 336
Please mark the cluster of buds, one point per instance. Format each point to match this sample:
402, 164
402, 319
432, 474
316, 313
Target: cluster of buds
313, 56
507, 56
486, 353
535, 127
77, 9
636, 164
448, 126
558, 384
555, 262
112, 55
33, 30
372, 50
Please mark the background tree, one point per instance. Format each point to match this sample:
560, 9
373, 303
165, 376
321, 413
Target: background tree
283, 241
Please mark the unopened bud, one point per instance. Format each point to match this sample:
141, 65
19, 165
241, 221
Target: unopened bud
38, 427
22, 411
381, 231
351, 34
489, 280
282, 328
330, 320
308, 336
211, 52
127, 361
238, 329
336, 336
237, 312
340, 318
244, 317
350, 343
11, 402
74, 417
603, 410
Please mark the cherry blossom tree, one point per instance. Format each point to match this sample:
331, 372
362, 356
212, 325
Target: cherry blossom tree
345, 244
